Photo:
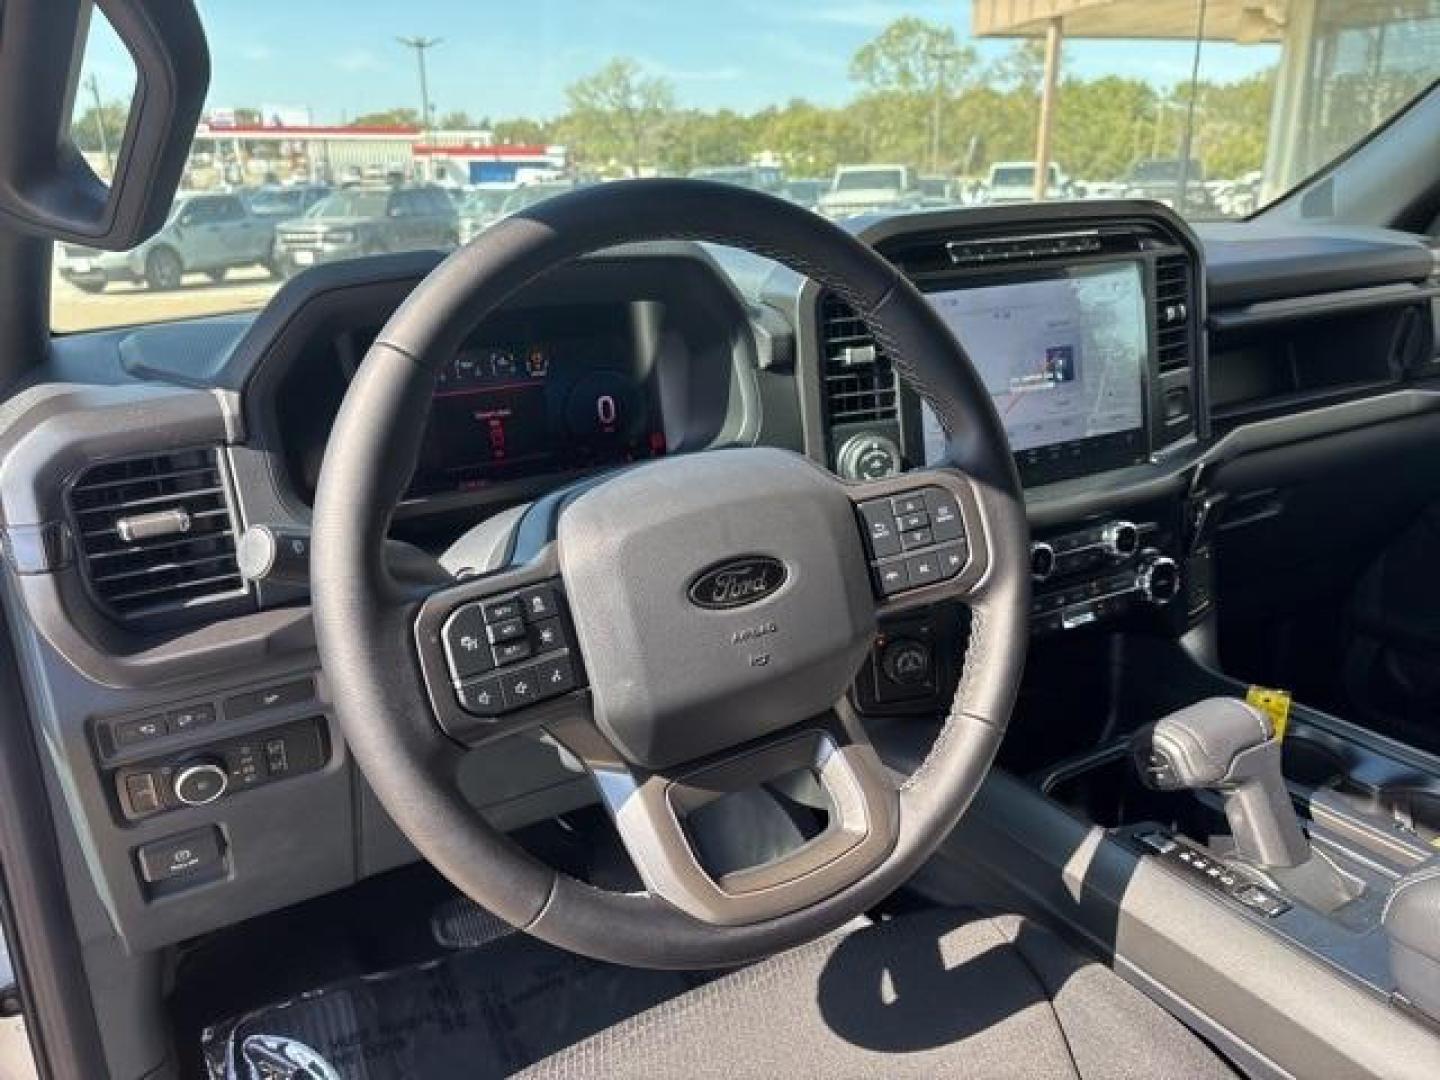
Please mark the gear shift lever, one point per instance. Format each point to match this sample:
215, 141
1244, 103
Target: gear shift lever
1226, 745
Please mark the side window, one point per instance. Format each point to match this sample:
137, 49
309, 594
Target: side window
401, 205
199, 212
228, 209
438, 202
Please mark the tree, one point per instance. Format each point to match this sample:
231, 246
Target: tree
917, 67
521, 132
458, 120
618, 113
1022, 68
401, 117
85, 129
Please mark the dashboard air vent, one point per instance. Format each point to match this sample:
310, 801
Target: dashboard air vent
156, 534
859, 378
1172, 311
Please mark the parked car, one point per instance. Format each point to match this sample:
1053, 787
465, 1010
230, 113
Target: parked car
1160, 179
282, 203
480, 209
938, 191
765, 178
806, 192
1014, 182
205, 233
862, 189
367, 221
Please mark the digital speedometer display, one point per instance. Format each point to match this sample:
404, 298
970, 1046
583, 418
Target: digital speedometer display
514, 402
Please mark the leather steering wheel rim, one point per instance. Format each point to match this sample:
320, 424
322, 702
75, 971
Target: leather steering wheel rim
365, 619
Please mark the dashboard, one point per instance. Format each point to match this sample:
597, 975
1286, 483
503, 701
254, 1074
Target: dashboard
161, 670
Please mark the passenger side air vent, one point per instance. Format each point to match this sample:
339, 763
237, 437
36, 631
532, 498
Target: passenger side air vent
156, 534
859, 378
1172, 312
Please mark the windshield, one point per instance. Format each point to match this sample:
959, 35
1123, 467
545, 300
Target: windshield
1212, 108
277, 202
345, 204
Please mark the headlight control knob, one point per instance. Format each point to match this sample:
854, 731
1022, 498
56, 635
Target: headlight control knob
200, 783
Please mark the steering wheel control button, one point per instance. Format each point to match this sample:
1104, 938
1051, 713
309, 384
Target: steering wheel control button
892, 578
924, 569
554, 676
502, 610
919, 519
952, 560
511, 652
200, 784
547, 636
467, 646
945, 521
186, 855
508, 630
909, 504
483, 697
521, 687
916, 538
881, 530
539, 603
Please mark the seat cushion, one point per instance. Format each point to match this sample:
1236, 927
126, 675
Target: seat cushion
938, 993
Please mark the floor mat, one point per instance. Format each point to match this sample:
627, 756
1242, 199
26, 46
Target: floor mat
483, 1013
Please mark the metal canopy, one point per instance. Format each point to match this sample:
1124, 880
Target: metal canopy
1246, 21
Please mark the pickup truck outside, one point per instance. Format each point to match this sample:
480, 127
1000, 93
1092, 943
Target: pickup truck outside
865, 189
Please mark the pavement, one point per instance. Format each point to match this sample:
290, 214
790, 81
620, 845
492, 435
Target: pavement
125, 304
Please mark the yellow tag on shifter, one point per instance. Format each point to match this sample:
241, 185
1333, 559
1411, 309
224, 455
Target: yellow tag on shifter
1274, 704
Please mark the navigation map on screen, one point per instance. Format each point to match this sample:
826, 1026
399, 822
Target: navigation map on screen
1062, 356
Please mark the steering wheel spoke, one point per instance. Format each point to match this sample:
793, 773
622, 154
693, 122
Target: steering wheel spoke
924, 537
498, 653
827, 764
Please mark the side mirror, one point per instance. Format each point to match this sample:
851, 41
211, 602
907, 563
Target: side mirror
46, 187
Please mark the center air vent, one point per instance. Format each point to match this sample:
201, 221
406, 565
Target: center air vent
157, 534
859, 378
1173, 312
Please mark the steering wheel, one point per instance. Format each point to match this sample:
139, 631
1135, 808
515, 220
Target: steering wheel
695, 621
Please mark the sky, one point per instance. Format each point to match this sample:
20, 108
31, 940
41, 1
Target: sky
500, 60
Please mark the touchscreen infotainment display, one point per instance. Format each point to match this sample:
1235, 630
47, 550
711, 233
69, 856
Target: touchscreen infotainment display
1063, 355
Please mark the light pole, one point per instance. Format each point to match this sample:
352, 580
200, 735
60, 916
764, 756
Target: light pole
94, 87
421, 45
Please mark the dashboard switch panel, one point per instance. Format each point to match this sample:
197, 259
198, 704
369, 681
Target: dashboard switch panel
216, 772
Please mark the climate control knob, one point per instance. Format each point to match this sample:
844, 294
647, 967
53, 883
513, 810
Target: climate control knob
200, 783
1159, 579
1120, 539
868, 457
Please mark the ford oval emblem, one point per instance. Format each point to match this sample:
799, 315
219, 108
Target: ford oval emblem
737, 582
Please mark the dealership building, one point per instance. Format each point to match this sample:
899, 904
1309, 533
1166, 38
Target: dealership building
247, 153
